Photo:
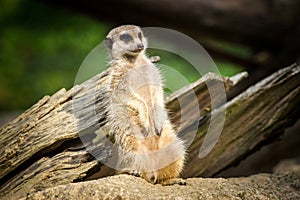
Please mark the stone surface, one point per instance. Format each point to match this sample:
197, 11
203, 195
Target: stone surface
261, 186
289, 165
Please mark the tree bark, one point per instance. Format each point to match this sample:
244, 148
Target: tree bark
41, 148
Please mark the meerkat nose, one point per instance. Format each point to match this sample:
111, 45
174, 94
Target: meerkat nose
140, 46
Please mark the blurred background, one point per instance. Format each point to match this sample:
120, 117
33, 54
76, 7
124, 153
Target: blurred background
44, 42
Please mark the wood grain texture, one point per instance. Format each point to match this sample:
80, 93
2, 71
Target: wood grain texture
48, 124
65, 167
257, 115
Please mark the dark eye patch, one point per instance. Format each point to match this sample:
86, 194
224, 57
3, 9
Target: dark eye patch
140, 35
126, 37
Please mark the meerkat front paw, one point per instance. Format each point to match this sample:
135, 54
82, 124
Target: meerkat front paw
154, 59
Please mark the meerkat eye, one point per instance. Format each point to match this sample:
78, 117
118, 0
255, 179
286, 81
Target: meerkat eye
126, 37
140, 35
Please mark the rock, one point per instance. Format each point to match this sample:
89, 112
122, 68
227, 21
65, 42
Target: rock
289, 165
261, 186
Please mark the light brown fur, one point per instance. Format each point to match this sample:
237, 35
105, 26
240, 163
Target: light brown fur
138, 121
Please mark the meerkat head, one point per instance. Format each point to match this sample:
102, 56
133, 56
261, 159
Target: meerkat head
126, 41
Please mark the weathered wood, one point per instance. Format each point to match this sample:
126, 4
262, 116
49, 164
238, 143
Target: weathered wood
47, 124
72, 165
257, 115
34, 144
183, 102
48, 172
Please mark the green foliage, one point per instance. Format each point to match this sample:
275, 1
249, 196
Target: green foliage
230, 48
227, 68
42, 48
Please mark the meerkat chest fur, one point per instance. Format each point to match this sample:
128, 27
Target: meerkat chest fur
138, 86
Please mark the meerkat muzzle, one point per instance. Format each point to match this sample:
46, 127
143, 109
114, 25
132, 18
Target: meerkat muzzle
138, 48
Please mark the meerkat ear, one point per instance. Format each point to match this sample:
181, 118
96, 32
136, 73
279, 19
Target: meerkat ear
109, 42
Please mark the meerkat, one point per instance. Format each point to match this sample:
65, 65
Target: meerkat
136, 115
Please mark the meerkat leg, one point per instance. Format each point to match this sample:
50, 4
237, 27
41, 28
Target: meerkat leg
169, 175
139, 114
153, 177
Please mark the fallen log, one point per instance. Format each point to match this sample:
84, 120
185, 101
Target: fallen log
41, 148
